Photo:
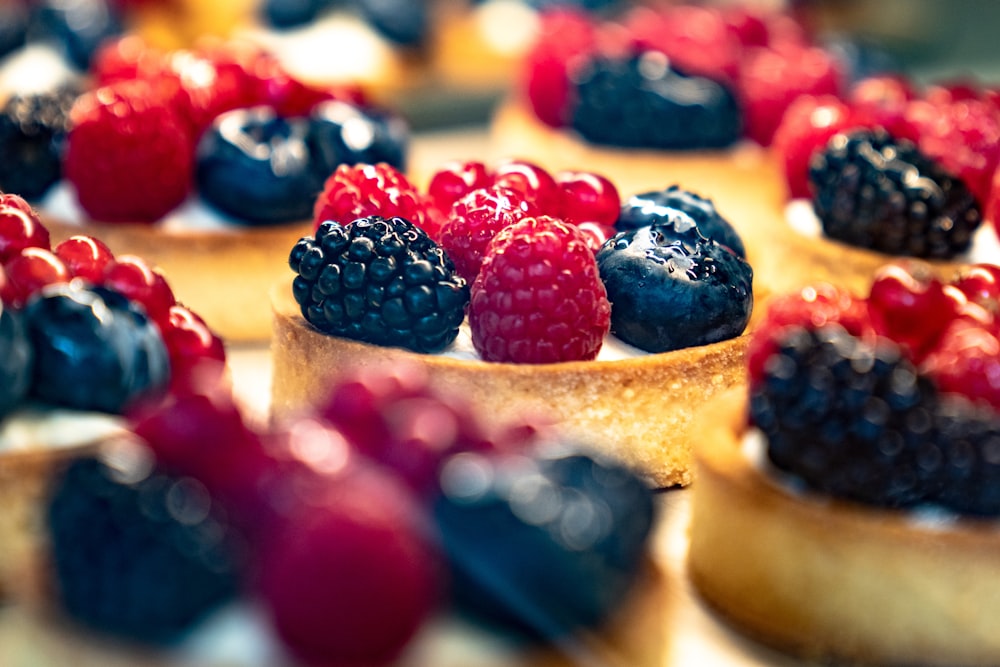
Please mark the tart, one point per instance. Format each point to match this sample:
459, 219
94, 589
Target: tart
809, 530
633, 404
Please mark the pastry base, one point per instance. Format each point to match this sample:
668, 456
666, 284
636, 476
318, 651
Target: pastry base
640, 411
223, 276
830, 580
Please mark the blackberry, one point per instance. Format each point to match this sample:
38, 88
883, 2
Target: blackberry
541, 547
967, 449
671, 288
642, 101
648, 208
137, 555
876, 192
33, 131
379, 280
852, 420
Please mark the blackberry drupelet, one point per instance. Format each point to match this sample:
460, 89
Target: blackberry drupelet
32, 139
876, 192
379, 280
648, 208
849, 419
135, 555
641, 101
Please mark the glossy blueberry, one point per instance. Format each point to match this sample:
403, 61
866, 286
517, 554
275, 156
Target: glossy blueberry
77, 27
642, 101
405, 22
671, 288
16, 357
648, 208
541, 547
860, 58
257, 167
13, 26
94, 350
342, 133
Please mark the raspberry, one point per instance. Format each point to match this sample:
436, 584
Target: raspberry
564, 36
380, 281
475, 219
349, 581
124, 58
85, 257
812, 307
194, 349
588, 197
881, 101
133, 277
538, 297
806, 126
966, 361
980, 283
456, 179
20, 227
362, 190
128, 154
29, 272
536, 183
771, 79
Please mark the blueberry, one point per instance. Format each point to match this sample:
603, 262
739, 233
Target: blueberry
648, 208
257, 166
94, 350
77, 27
13, 26
541, 547
642, 101
16, 357
671, 288
404, 22
342, 133
284, 14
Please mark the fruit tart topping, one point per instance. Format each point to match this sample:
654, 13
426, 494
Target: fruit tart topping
897, 409
523, 535
343, 133
30, 271
379, 280
20, 227
137, 554
649, 208
671, 287
455, 179
876, 192
16, 362
33, 131
538, 297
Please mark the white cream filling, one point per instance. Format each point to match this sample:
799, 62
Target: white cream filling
612, 349
801, 218
33, 425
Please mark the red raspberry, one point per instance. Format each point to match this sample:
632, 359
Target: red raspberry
533, 181
128, 154
696, 39
475, 219
980, 283
357, 191
908, 304
349, 580
195, 351
456, 179
771, 79
964, 136
29, 272
565, 36
588, 197
966, 361
806, 127
596, 234
538, 297
811, 307
20, 227
139, 282
881, 102
85, 256
125, 58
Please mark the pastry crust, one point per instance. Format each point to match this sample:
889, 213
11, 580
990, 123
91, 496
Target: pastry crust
827, 579
223, 275
639, 410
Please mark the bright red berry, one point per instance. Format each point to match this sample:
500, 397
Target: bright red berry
349, 581
534, 181
357, 191
980, 283
20, 227
195, 350
808, 124
85, 256
596, 234
695, 39
771, 79
124, 58
588, 197
565, 35
456, 179
128, 154
133, 277
538, 297
29, 272
966, 361
475, 219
